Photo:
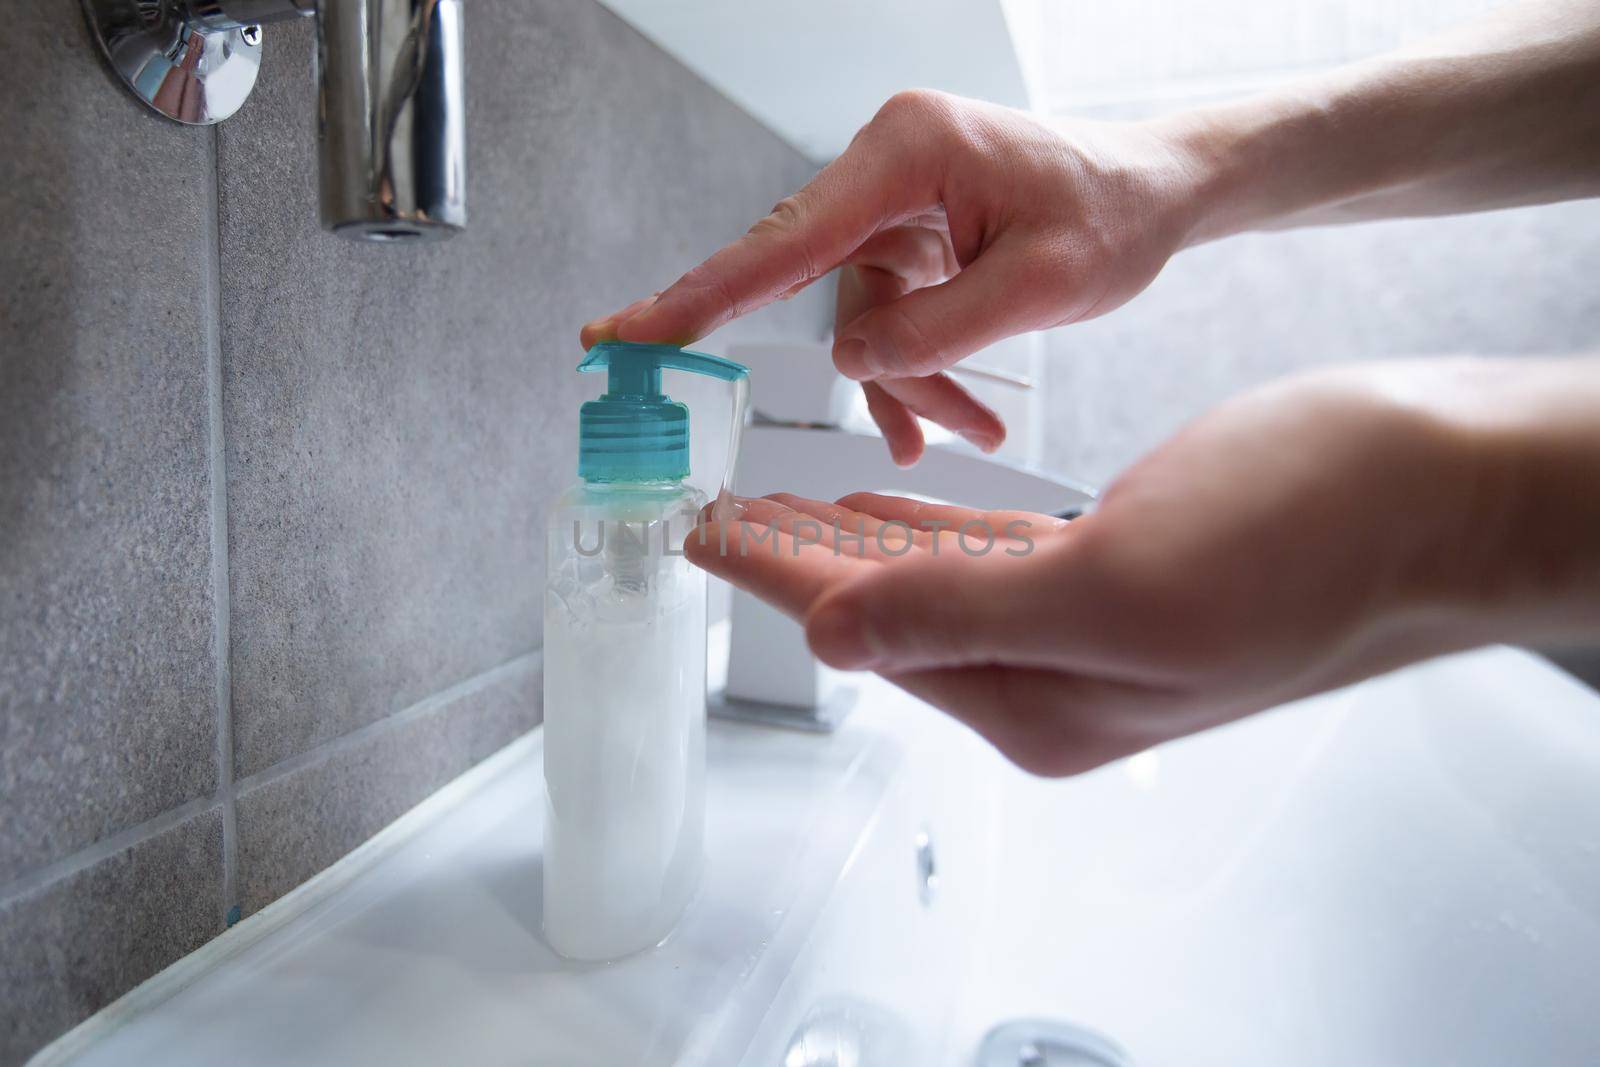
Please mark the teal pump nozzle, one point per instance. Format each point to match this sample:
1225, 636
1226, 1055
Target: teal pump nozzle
635, 432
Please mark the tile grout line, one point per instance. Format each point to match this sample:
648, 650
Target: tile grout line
103, 849
72, 1046
223, 797
107, 847
421, 709
221, 606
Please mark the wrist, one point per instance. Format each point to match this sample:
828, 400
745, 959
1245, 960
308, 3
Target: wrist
1252, 165
1534, 432
1513, 552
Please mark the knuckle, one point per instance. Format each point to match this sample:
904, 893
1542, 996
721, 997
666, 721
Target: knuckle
705, 279
788, 211
785, 225
784, 217
915, 104
940, 120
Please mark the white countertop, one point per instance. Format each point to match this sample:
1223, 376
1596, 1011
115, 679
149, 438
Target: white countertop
1407, 871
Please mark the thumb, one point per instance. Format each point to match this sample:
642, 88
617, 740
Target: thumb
948, 610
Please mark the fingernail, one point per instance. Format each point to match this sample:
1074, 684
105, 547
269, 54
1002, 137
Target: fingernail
980, 441
855, 360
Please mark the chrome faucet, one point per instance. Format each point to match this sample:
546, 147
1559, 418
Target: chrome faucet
391, 110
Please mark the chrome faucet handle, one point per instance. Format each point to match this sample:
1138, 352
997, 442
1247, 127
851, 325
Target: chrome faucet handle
196, 68
392, 102
227, 14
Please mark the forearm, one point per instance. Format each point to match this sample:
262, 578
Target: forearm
1502, 112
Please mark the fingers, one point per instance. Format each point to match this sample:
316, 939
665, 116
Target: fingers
840, 529
805, 236
931, 328
860, 287
924, 515
916, 255
882, 271
898, 423
941, 399
1002, 634
1015, 603
856, 532
890, 264
605, 329
786, 571
889, 523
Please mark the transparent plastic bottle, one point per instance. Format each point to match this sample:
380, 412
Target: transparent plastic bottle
625, 669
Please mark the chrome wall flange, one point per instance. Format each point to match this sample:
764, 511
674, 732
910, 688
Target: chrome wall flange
167, 57
391, 95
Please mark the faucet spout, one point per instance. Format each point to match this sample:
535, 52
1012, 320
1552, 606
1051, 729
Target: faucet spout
391, 118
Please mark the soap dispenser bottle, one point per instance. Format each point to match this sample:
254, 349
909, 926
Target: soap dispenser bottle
625, 666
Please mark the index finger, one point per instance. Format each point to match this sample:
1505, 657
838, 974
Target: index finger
787, 572
870, 186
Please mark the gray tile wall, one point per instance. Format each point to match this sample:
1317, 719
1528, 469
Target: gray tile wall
105, 580
269, 502
1236, 313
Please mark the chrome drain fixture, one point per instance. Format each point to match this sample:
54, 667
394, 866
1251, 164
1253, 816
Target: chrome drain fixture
1048, 1043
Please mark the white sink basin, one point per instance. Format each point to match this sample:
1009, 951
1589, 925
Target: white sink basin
1404, 872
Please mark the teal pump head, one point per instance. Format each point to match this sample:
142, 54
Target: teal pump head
635, 432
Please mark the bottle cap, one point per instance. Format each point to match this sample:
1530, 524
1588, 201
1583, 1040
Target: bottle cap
635, 432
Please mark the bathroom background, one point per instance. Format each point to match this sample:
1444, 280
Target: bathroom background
270, 503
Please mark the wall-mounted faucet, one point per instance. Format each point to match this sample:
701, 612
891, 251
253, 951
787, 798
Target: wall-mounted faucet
391, 109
